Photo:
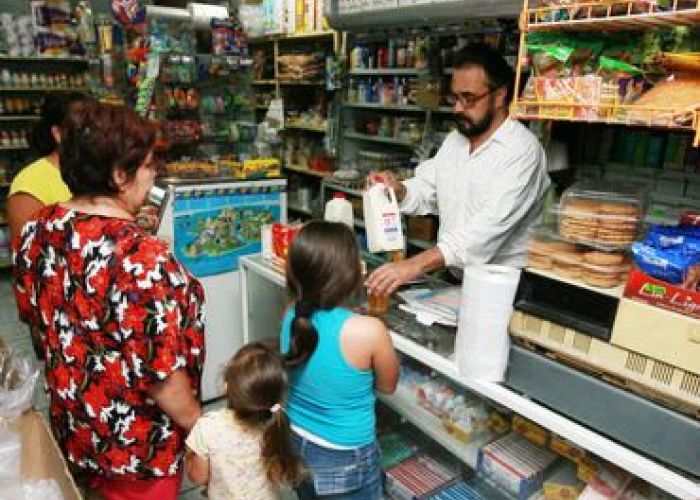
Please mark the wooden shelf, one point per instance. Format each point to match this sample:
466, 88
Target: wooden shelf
307, 171
379, 139
597, 16
264, 82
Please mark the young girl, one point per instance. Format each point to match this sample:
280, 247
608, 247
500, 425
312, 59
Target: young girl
244, 451
337, 359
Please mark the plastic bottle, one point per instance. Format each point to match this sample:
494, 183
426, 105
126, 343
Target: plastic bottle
339, 209
382, 219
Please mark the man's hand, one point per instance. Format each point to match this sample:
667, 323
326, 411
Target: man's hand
389, 277
388, 178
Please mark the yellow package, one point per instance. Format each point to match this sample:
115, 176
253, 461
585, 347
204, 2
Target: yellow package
587, 468
530, 431
566, 448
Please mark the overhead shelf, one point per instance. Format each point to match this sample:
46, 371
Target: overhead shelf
618, 15
449, 11
307, 128
315, 83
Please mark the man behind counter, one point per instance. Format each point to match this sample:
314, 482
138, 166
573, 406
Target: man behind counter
487, 181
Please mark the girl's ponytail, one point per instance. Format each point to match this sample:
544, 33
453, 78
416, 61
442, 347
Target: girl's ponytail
282, 464
256, 382
304, 336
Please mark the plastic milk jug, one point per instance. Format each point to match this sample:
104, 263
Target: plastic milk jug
338, 209
382, 219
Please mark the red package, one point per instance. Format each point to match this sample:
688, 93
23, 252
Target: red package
690, 219
282, 236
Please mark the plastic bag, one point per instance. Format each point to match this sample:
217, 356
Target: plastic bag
18, 376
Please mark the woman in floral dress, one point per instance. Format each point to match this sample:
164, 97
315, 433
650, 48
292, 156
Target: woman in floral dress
118, 320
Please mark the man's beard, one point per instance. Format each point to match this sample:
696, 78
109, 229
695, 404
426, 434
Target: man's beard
469, 128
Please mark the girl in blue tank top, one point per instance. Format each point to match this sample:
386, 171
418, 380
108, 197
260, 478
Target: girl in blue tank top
337, 360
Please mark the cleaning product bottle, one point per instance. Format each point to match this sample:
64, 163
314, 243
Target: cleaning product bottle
382, 219
339, 209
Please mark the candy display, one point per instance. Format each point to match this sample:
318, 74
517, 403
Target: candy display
19, 106
415, 477
515, 464
671, 254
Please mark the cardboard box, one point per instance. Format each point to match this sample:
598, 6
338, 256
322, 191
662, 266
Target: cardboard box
423, 227
41, 456
652, 291
566, 448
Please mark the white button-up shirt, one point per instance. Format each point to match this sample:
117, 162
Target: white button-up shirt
487, 199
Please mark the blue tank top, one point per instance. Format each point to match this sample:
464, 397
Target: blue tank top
327, 395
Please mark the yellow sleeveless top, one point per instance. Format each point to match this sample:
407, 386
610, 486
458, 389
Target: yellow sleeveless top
43, 181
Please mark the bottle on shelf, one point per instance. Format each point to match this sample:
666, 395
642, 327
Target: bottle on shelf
339, 209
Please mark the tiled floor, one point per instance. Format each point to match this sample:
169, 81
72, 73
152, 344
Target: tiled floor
16, 336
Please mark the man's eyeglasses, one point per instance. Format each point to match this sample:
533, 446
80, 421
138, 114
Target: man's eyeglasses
466, 99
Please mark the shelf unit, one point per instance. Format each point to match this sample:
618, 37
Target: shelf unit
293, 92
614, 15
256, 272
19, 118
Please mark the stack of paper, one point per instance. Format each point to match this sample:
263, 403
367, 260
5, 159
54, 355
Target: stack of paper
433, 306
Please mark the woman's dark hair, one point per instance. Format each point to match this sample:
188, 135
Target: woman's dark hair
96, 140
53, 112
498, 71
256, 383
323, 270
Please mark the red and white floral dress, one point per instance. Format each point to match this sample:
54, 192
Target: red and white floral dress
113, 313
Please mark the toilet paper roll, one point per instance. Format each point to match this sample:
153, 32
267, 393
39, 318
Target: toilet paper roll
482, 344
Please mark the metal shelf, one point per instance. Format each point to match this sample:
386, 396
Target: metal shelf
432, 426
13, 148
615, 292
610, 450
384, 72
295, 207
341, 188
44, 89
17, 118
307, 128
311, 83
264, 82
62, 59
388, 107
382, 140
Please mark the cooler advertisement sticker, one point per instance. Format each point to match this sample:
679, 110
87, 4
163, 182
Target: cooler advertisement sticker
213, 228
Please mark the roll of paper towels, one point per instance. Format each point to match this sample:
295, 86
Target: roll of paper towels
203, 13
482, 344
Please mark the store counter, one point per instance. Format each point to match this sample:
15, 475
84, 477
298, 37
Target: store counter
262, 286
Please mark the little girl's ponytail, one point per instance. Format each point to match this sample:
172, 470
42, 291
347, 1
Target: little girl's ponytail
256, 382
282, 464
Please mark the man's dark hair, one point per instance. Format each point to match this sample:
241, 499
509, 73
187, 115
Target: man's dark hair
498, 71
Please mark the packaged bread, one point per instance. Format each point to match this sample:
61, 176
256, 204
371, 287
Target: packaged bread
597, 215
